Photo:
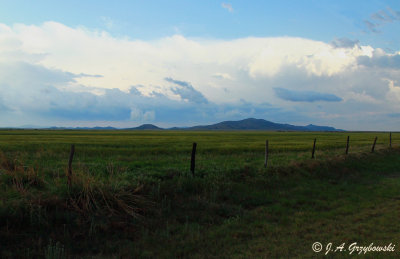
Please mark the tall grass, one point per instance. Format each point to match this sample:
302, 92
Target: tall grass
136, 187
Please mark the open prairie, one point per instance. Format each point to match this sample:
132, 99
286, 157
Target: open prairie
149, 152
132, 193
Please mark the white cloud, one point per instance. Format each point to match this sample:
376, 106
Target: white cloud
149, 116
394, 93
212, 73
380, 58
227, 7
139, 116
123, 62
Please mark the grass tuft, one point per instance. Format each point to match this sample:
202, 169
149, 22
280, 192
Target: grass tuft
90, 196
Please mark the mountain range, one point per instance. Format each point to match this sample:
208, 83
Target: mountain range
246, 124
260, 124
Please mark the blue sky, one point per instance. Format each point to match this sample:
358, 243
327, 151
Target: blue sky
317, 20
124, 63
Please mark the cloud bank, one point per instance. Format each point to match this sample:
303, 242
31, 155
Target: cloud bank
51, 74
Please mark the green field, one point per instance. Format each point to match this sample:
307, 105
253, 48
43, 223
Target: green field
133, 195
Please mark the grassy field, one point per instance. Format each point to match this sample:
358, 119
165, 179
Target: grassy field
133, 194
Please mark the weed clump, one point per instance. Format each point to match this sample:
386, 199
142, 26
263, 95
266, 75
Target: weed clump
89, 196
35, 208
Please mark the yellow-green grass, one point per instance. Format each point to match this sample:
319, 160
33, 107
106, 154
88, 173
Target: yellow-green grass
156, 151
133, 194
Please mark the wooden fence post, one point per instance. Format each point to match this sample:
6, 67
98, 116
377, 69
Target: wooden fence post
266, 154
390, 139
347, 145
313, 150
193, 160
71, 156
373, 146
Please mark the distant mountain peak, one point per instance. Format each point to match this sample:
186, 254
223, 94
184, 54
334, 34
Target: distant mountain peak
245, 124
146, 127
260, 124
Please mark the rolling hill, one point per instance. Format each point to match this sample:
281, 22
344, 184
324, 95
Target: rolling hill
260, 124
246, 124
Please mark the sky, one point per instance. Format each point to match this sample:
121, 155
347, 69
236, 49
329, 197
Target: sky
182, 63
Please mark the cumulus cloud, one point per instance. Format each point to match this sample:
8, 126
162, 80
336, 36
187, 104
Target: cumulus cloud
140, 116
55, 74
37, 98
315, 58
30, 90
123, 62
305, 96
394, 93
381, 59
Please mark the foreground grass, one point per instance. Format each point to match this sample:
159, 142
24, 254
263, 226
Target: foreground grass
154, 208
281, 214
